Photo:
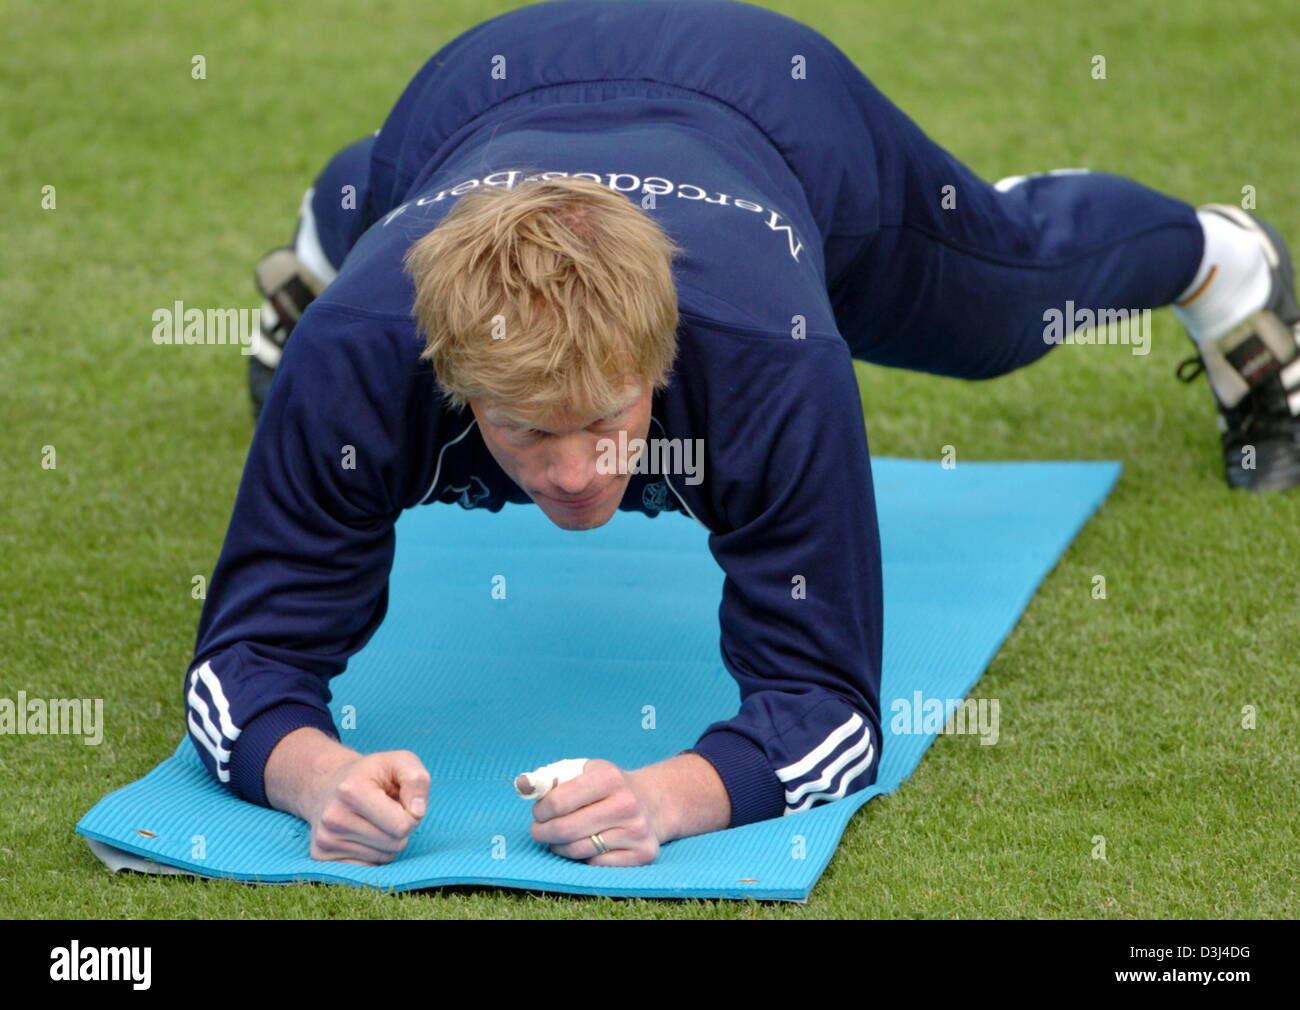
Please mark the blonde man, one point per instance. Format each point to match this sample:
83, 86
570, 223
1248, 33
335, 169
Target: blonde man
587, 223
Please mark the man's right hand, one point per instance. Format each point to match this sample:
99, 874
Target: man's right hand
362, 808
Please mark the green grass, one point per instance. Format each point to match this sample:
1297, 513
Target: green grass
1120, 717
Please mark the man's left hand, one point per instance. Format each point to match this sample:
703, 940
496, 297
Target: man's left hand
607, 800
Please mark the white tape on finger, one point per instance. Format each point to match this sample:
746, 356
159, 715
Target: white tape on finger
547, 777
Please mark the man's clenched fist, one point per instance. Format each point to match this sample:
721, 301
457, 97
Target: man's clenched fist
365, 809
362, 808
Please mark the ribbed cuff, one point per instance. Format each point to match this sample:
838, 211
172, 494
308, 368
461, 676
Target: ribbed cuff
250, 752
755, 791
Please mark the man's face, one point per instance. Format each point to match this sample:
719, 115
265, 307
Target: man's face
554, 459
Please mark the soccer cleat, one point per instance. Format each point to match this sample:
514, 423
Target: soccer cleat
1254, 374
288, 287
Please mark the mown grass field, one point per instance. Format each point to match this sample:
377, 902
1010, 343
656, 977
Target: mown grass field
1120, 717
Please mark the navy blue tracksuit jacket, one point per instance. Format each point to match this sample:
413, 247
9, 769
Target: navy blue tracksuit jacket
816, 230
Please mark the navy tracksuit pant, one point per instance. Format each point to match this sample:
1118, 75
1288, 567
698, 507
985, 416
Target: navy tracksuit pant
928, 267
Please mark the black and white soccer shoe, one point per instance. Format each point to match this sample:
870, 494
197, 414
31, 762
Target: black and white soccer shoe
288, 287
1254, 374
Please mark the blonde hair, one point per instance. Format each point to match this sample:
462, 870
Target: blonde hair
548, 297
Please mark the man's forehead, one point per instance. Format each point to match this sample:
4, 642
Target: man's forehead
503, 410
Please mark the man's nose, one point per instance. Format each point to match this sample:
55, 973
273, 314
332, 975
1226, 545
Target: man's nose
572, 467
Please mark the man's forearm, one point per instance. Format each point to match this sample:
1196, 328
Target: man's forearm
687, 796
297, 763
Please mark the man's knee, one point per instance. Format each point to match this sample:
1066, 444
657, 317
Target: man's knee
337, 209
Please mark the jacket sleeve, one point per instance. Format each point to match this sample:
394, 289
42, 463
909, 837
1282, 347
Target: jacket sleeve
801, 613
302, 580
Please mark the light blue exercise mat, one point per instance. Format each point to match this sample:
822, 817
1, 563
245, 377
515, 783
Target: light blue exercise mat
595, 627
